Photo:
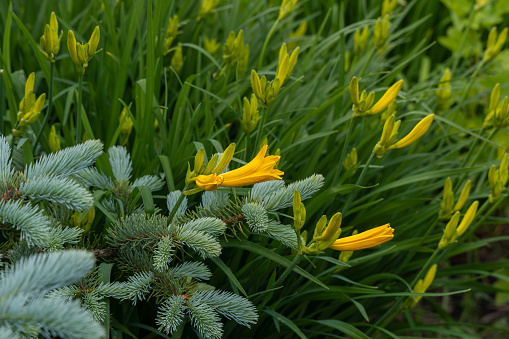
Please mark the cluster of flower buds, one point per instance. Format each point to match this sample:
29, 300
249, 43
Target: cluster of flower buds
498, 113
215, 164
50, 41
54, 140
287, 7
29, 107
250, 115
351, 162
266, 91
380, 33
453, 231
234, 50
171, 33
177, 60
363, 104
388, 7
447, 206
390, 134
421, 287
206, 7
325, 234
360, 40
82, 54
498, 178
211, 45
83, 222
444, 91
495, 43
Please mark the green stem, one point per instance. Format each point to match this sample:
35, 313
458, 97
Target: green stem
265, 114
343, 152
177, 205
418, 246
470, 151
272, 29
470, 82
78, 111
50, 103
373, 50
426, 266
359, 181
463, 39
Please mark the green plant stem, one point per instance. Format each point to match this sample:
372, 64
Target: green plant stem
265, 114
470, 82
3, 110
359, 181
470, 151
339, 165
418, 246
78, 111
373, 50
463, 39
394, 310
50, 103
272, 29
177, 205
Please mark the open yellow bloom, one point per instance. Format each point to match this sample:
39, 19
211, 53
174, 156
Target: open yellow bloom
260, 169
370, 238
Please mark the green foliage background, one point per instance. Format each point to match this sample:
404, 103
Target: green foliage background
200, 106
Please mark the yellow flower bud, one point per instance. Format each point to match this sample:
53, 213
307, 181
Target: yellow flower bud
465, 192
420, 287
468, 218
351, 162
418, 131
211, 45
250, 115
54, 140
380, 33
320, 227
387, 98
299, 32
388, 6
444, 91
360, 39
177, 60
226, 157
171, 33
286, 7
71, 45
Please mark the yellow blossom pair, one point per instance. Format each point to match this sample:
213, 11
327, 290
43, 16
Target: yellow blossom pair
363, 104
453, 231
421, 287
498, 112
447, 206
266, 91
29, 107
498, 178
390, 134
260, 169
495, 43
50, 41
82, 54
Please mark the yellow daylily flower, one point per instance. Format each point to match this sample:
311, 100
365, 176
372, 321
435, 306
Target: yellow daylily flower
260, 169
367, 239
